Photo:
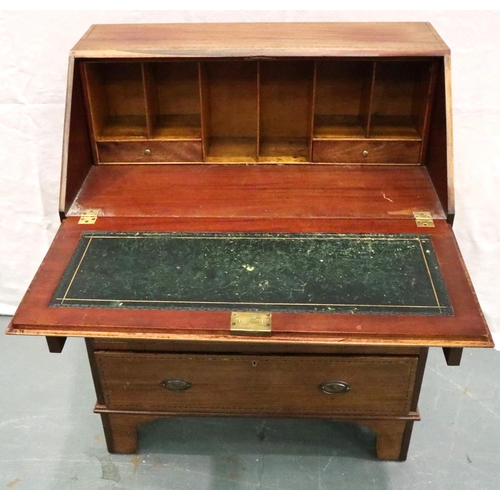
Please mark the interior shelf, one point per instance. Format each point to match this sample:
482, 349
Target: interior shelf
178, 126
285, 98
342, 98
173, 96
400, 99
117, 100
341, 126
284, 150
232, 149
230, 104
123, 127
367, 99
399, 127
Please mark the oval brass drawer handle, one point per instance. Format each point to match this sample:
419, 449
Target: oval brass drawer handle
335, 387
176, 384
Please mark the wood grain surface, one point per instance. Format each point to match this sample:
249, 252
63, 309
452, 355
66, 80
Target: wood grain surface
232, 383
267, 191
263, 39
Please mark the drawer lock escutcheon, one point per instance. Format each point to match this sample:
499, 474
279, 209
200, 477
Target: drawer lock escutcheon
176, 384
335, 387
251, 322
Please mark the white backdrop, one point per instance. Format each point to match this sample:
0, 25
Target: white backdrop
34, 49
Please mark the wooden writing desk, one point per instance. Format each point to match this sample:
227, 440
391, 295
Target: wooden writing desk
256, 220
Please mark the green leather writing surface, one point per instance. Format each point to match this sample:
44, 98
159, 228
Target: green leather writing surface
323, 273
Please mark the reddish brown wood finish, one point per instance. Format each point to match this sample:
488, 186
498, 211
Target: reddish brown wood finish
466, 328
150, 103
230, 384
352, 151
263, 39
56, 344
393, 435
77, 153
264, 191
121, 430
436, 157
149, 151
246, 112
113, 344
453, 355
422, 360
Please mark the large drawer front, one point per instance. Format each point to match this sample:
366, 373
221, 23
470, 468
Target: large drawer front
294, 385
366, 151
149, 151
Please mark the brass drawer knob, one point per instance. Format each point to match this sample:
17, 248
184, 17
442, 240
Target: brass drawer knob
335, 387
176, 384
365, 153
147, 152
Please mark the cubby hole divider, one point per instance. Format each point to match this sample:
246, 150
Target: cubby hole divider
149, 96
258, 112
369, 105
431, 89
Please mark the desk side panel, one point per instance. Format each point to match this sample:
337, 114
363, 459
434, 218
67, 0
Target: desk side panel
77, 153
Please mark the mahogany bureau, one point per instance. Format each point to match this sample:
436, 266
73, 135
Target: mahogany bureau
257, 221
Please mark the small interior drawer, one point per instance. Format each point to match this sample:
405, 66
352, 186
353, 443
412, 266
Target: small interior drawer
293, 385
149, 151
333, 151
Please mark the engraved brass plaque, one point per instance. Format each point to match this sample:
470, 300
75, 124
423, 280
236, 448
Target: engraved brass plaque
251, 322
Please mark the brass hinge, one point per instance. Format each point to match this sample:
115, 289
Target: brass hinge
89, 216
423, 219
253, 322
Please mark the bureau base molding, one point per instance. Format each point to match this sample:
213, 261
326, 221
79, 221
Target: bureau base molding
393, 434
